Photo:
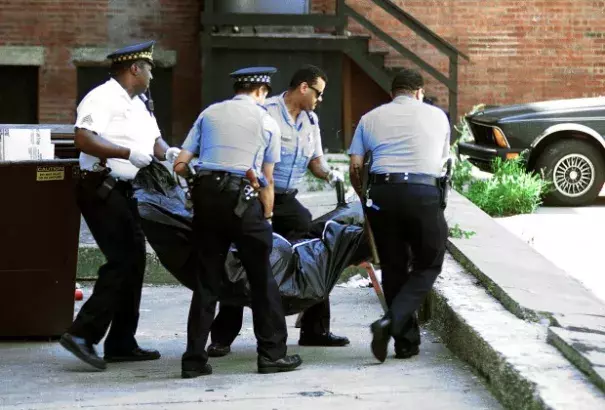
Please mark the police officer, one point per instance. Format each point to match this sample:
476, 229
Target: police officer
230, 138
409, 141
117, 134
301, 149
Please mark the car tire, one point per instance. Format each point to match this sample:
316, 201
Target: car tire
575, 170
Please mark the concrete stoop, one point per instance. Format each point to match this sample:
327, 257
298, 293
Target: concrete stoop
521, 368
532, 287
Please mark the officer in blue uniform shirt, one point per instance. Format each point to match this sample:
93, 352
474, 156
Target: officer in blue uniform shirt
117, 135
234, 139
409, 141
301, 150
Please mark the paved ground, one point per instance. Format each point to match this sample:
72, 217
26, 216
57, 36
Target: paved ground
44, 376
571, 238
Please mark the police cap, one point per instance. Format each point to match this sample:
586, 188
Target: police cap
253, 76
141, 51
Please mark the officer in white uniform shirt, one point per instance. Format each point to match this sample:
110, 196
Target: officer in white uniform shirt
301, 150
117, 135
404, 203
233, 139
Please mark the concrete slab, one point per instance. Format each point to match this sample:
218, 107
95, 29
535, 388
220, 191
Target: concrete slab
585, 350
525, 281
570, 237
523, 370
44, 376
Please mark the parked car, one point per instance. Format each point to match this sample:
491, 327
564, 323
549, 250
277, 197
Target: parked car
561, 139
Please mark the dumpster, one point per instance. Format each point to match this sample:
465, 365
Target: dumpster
39, 234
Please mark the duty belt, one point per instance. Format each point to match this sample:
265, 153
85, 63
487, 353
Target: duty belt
404, 178
104, 183
223, 179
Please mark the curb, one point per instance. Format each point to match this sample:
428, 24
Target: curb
513, 356
513, 390
575, 350
90, 259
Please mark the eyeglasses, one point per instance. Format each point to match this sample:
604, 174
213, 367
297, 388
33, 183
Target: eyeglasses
318, 93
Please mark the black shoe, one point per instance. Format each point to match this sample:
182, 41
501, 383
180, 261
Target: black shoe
325, 339
192, 373
406, 352
285, 364
381, 331
218, 350
135, 355
82, 350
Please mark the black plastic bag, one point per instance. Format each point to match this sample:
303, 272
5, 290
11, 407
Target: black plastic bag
306, 271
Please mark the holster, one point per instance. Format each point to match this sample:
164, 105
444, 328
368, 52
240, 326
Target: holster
245, 196
99, 182
445, 184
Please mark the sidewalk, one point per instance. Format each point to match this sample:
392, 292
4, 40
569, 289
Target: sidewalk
44, 376
509, 312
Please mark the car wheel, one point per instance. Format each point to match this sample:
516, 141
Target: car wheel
575, 170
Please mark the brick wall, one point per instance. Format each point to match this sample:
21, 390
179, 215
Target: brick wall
520, 51
62, 25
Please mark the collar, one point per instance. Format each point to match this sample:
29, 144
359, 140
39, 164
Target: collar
244, 97
400, 99
119, 89
286, 114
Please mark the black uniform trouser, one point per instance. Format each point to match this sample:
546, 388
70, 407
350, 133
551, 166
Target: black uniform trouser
292, 221
216, 227
409, 217
115, 224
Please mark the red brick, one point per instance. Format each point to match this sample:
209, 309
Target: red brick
61, 25
517, 48
520, 50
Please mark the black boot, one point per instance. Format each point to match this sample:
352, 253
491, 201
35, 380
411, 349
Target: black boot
218, 350
83, 350
285, 364
381, 331
322, 339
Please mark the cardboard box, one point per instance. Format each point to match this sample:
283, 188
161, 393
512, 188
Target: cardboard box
26, 144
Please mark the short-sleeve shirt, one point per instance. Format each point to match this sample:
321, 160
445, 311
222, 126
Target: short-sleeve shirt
300, 143
108, 111
234, 135
405, 135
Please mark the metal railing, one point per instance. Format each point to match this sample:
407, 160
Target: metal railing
339, 21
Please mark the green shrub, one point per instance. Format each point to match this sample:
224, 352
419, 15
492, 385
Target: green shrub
511, 190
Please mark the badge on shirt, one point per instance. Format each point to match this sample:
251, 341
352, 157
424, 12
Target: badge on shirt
87, 120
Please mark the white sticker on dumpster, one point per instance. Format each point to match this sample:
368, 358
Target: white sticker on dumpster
50, 174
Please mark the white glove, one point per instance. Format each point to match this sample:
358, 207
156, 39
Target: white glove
334, 176
139, 159
172, 153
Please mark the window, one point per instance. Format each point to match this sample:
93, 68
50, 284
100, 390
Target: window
18, 94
